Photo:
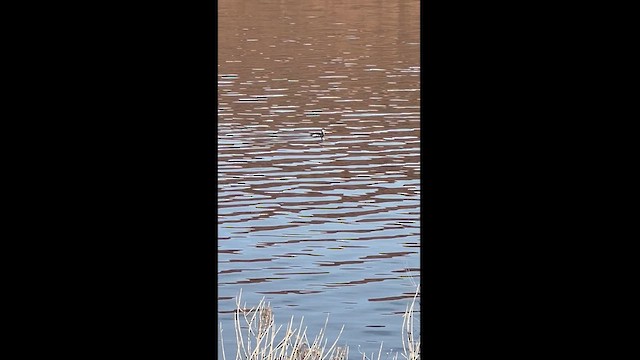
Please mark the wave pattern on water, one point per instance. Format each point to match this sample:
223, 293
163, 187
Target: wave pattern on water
320, 225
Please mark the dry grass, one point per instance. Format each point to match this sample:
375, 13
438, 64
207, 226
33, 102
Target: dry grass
256, 333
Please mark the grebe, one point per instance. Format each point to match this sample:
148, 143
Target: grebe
318, 134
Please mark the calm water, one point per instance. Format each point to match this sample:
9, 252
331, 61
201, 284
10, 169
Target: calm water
320, 226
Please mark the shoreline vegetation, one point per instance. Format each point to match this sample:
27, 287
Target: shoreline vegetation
256, 332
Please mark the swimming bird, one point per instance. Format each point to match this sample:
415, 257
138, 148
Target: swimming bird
318, 134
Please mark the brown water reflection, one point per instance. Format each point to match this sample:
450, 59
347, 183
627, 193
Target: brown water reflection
337, 217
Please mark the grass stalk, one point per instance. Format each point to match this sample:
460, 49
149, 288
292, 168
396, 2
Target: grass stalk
256, 337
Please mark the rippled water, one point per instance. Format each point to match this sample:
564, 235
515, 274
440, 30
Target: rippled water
320, 225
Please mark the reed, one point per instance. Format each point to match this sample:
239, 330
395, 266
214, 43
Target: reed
256, 333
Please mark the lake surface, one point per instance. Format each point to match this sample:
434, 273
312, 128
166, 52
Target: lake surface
327, 225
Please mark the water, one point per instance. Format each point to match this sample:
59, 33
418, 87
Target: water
320, 226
